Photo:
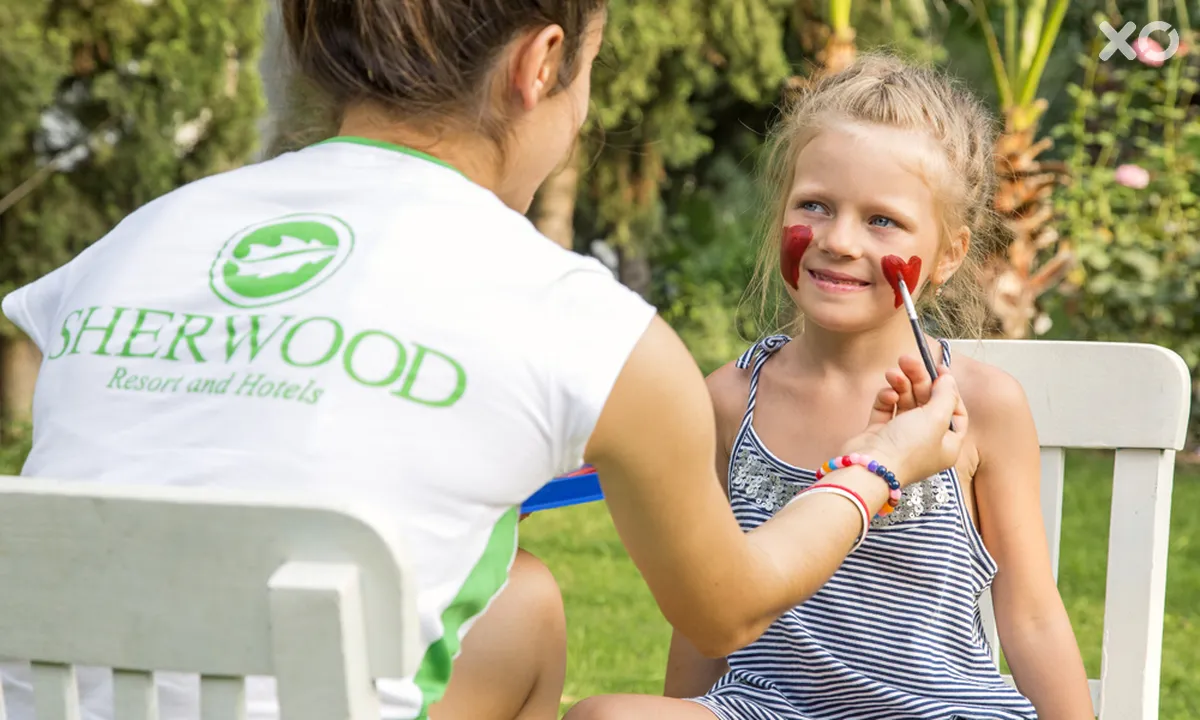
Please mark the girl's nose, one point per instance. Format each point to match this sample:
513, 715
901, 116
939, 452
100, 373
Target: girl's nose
840, 239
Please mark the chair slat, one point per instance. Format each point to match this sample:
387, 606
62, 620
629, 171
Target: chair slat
1093, 394
1093, 688
55, 692
1053, 469
320, 641
134, 695
222, 698
3, 716
988, 615
1135, 591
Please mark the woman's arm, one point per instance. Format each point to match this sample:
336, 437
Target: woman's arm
653, 447
1032, 623
689, 672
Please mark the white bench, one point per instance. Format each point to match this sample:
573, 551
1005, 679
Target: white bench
1134, 399
205, 582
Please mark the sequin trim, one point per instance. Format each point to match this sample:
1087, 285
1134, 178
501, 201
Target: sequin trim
762, 484
917, 499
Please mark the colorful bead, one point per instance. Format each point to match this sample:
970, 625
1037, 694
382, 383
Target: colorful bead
844, 461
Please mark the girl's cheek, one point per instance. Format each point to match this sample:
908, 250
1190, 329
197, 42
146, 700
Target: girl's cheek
896, 268
796, 239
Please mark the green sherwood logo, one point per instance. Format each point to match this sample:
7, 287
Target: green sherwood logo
280, 259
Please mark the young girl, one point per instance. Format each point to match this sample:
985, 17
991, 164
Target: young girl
882, 159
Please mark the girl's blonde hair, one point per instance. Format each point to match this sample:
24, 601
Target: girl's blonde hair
880, 89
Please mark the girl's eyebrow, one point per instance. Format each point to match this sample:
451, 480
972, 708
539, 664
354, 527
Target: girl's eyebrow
808, 188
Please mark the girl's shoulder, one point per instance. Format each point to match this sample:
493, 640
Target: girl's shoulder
729, 386
992, 396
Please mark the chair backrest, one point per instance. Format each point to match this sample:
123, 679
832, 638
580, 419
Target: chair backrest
206, 582
1134, 399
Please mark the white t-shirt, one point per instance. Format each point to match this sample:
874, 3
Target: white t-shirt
352, 317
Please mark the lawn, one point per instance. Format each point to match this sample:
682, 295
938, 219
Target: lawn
618, 639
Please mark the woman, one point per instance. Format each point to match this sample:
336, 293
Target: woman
374, 316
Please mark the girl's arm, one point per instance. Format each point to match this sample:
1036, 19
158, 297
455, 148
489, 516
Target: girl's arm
653, 447
1034, 630
689, 673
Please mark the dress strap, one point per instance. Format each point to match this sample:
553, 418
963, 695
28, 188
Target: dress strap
757, 355
945, 351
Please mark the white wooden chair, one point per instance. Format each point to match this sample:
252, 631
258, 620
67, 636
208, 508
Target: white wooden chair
204, 582
1134, 399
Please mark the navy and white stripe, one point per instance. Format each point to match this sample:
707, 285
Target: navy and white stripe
895, 634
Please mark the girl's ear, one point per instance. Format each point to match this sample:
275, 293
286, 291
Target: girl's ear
953, 256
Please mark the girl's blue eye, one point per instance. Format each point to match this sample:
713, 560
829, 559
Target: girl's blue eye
812, 206
883, 219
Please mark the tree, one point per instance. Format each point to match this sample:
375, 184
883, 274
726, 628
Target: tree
840, 49
109, 105
554, 214
1034, 258
670, 70
30, 64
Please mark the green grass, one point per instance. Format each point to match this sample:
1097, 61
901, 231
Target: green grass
618, 639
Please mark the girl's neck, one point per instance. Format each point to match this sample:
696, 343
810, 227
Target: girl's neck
870, 352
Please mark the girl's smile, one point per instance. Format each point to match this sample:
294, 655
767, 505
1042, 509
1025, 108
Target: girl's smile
831, 281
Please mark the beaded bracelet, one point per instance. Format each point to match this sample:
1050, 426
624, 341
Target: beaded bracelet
844, 461
850, 495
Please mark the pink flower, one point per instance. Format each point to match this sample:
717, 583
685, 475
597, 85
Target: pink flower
1132, 176
1148, 51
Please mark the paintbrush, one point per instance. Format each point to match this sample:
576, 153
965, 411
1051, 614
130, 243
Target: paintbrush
895, 270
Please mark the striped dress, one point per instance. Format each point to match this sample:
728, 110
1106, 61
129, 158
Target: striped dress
895, 634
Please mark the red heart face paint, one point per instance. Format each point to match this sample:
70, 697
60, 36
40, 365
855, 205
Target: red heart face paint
894, 269
795, 241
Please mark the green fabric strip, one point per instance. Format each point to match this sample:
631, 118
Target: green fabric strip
355, 140
482, 584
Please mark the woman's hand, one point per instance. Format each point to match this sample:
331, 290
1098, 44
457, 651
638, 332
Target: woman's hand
909, 428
